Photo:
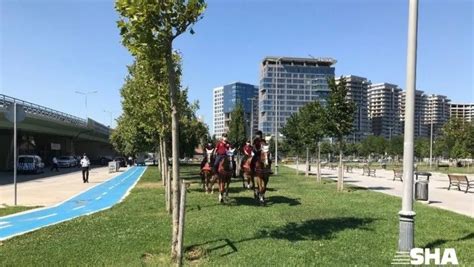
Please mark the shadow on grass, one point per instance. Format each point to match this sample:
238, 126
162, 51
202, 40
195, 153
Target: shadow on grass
439, 242
250, 201
315, 229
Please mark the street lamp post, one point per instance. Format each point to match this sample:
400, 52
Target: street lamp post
85, 94
407, 215
251, 118
278, 62
431, 139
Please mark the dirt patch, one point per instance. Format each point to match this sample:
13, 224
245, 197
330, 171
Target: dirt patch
149, 185
195, 253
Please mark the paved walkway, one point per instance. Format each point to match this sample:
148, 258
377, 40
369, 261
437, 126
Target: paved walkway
439, 196
97, 198
50, 188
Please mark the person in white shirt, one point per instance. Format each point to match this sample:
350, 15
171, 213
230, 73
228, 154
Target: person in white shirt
55, 164
85, 163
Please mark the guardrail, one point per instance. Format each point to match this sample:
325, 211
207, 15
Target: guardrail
31, 108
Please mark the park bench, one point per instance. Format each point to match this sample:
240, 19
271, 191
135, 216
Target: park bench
458, 180
348, 168
397, 174
367, 170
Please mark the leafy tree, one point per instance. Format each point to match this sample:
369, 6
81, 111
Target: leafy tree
422, 147
237, 133
373, 145
312, 127
148, 29
395, 146
340, 112
456, 139
292, 135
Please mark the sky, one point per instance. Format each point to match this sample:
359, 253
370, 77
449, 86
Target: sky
51, 48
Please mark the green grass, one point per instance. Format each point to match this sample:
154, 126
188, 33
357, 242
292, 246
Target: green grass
303, 224
13, 209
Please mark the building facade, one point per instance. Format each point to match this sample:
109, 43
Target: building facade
287, 84
462, 111
436, 113
421, 129
226, 97
384, 111
357, 92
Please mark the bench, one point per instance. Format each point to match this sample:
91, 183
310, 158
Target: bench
348, 168
367, 170
458, 180
397, 174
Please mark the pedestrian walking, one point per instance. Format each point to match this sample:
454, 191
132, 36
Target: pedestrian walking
55, 164
85, 163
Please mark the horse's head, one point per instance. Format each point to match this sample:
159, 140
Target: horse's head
209, 153
264, 155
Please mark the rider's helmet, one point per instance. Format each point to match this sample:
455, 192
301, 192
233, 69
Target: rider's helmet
224, 136
259, 134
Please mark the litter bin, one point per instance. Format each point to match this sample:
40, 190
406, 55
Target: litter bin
421, 190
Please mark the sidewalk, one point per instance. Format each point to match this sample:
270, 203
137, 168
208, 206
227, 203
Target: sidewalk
48, 191
439, 196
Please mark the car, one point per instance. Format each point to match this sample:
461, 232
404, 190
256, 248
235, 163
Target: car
30, 163
122, 161
67, 161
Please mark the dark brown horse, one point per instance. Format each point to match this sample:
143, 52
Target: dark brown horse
262, 172
248, 180
224, 174
208, 179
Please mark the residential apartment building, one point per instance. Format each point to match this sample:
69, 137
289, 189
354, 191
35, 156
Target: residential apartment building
287, 84
384, 111
462, 111
224, 101
436, 113
420, 129
357, 92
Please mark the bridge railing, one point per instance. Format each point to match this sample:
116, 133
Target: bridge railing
31, 108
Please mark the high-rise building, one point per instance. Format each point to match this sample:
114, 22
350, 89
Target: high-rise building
462, 111
420, 103
384, 111
294, 82
357, 92
225, 99
436, 113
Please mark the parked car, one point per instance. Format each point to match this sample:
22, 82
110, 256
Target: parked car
121, 161
30, 163
103, 160
67, 161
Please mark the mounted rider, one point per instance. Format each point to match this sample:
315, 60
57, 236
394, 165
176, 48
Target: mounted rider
247, 152
220, 152
208, 149
258, 142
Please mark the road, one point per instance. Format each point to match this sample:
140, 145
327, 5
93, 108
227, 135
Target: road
97, 198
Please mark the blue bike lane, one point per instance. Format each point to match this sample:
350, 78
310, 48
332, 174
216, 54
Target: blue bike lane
95, 199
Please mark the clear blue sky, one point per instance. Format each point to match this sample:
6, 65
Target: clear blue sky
51, 48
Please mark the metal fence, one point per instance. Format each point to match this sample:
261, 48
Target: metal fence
47, 113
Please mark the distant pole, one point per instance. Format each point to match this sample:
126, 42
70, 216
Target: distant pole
278, 62
431, 140
111, 116
85, 94
251, 119
407, 215
14, 151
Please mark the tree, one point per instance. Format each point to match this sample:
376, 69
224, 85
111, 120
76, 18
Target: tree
340, 112
422, 147
374, 145
148, 29
292, 140
237, 133
457, 139
312, 126
395, 146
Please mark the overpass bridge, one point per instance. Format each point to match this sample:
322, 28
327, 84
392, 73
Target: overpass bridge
47, 132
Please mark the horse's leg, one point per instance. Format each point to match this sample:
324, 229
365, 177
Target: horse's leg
227, 184
257, 188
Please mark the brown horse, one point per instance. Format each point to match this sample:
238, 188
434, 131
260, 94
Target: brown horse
207, 178
262, 172
224, 174
248, 180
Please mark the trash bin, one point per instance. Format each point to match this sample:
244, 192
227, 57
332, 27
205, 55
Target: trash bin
421, 190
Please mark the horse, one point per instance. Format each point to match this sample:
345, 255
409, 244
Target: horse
207, 177
262, 172
224, 174
248, 180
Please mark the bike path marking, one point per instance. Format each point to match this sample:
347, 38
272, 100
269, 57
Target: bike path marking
94, 199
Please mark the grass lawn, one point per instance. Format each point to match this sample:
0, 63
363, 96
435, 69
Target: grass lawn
303, 224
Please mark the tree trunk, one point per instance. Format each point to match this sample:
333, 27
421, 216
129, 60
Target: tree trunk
319, 163
340, 178
297, 165
161, 163
307, 161
173, 90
